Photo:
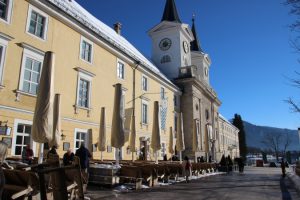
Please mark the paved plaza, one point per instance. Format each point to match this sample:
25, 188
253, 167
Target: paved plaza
256, 183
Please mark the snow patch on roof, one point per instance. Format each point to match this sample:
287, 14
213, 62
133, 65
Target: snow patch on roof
75, 10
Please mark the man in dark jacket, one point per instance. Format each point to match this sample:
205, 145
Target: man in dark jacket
84, 155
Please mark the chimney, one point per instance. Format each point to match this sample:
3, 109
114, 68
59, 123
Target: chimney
118, 27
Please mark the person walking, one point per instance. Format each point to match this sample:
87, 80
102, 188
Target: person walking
187, 168
241, 165
68, 157
84, 155
282, 167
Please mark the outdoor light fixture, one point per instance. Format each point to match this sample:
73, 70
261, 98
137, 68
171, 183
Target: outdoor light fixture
63, 137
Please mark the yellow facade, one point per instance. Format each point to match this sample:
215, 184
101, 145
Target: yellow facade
229, 138
64, 37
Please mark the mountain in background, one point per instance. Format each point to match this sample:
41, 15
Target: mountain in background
255, 134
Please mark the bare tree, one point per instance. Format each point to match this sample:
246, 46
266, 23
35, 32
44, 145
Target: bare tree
277, 142
295, 43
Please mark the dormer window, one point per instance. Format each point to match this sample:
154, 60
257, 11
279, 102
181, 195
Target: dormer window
165, 59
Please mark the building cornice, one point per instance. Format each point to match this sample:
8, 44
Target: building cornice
102, 40
208, 91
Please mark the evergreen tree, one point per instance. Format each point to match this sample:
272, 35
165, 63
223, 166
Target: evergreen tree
238, 122
264, 155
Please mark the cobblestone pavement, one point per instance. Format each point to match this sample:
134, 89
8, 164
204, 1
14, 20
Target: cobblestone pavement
256, 183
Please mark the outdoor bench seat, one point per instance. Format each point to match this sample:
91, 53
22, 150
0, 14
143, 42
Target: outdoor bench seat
20, 184
132, 173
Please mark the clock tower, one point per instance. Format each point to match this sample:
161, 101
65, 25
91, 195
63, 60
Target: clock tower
171, 41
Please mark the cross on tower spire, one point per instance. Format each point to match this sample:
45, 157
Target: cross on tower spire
195, 45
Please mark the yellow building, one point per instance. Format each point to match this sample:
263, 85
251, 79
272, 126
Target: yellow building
229, 138
90, 59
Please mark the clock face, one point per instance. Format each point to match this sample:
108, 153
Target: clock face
185, 46
165, 44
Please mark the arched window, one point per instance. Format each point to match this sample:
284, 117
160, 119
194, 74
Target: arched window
165, 59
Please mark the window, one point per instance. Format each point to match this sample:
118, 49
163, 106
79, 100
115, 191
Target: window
165, 59
37, 23
83, 96
163, 149
175, 124
120, 70
175, 101
31, 71
162, 93
5, 9
163, 109
144, 83
86, 50
84, 90
31, 76
80, 137
144, 113
22, 137
3, 46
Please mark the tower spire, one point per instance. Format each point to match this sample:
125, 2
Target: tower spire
170, 12
195, 45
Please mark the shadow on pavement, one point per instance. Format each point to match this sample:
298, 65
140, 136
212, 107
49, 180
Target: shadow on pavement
285, 193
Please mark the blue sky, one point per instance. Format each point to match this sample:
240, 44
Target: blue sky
248, 42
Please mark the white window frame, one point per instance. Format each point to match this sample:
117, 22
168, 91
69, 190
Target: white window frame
164, 95
118, 70
142, 112
3, 44
9, 12
83, 39
163, 151
30, 9
29, 53
88, 78
86, 131
175, 124
147, 83
14, 139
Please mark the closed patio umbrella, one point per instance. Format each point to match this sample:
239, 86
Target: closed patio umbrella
171, 149
117, 130
155, 139
42, 127
208, 140
56, 123
195, 138
102, 133
180, 137
132, 137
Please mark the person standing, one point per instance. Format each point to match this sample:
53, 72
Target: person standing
52, 151
187, 168
84, 155
282, 167
241, 164
3, 153
68, 157
27, 155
